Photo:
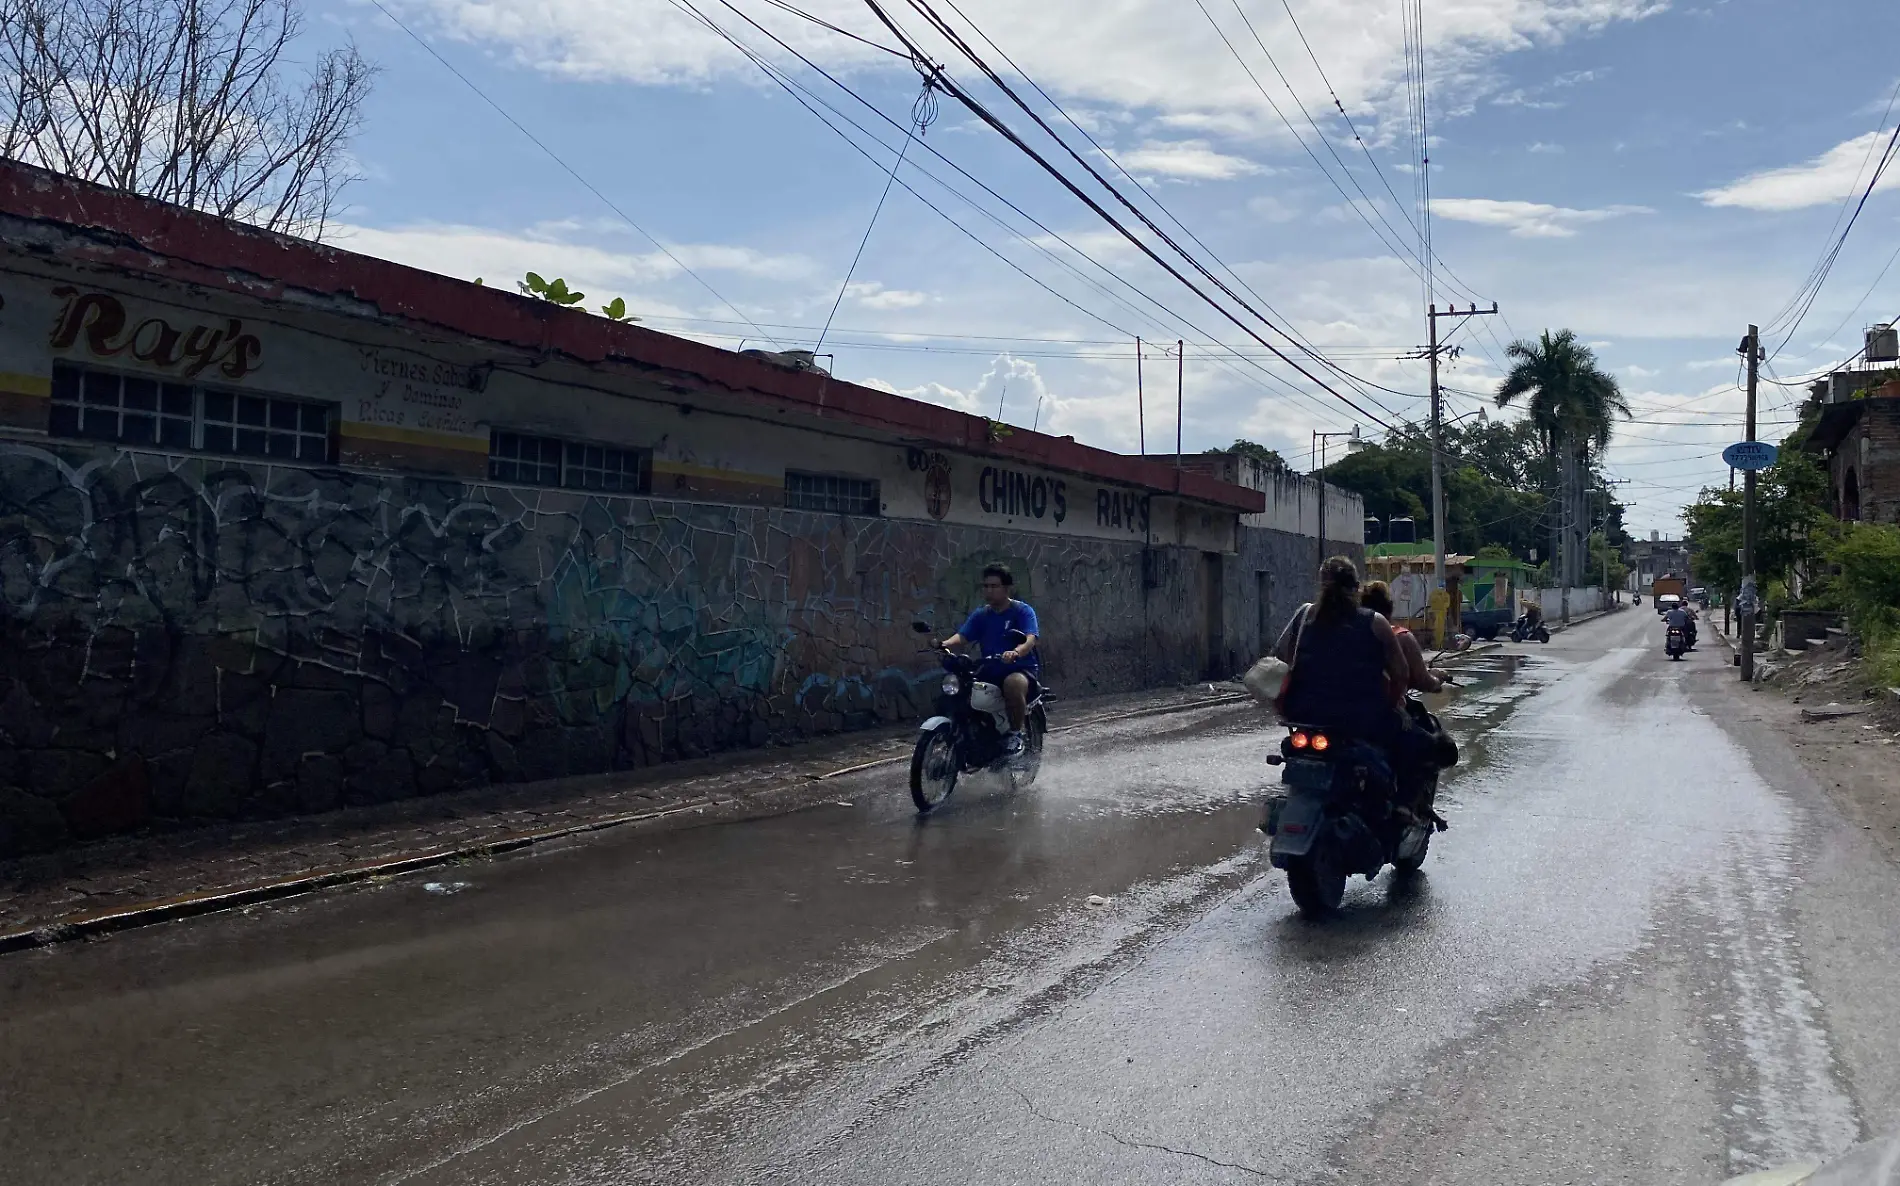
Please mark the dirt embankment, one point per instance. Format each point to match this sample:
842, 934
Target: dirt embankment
1846, 731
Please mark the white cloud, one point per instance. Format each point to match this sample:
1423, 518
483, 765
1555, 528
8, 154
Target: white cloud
872, 295
1542, 147
1528, 220
1833, 175
1640, 372
1272, 209
1139, 55
502, 256
1188, 160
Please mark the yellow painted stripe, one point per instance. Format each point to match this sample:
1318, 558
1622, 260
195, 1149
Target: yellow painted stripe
712, 473
412, 436
40, 385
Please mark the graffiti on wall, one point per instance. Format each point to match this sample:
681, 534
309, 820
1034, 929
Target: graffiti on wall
197, 638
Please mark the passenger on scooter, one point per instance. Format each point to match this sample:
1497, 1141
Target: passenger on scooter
1377, 597
988, 627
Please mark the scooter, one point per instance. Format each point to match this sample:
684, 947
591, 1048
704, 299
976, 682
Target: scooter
1676, 643
1524, 628
1338, 816
966, 733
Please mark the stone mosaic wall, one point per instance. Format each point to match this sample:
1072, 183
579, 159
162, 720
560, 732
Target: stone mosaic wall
191, 638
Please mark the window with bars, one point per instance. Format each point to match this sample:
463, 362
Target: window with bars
831, 494
548, 461
136, 410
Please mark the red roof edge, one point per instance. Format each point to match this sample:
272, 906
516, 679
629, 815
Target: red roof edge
143, 235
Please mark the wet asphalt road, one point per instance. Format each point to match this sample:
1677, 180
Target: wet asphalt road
1648, 951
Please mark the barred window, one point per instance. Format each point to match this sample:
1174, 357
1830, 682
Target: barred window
548, 461
831, 495
136, 410
598, 467
534, 461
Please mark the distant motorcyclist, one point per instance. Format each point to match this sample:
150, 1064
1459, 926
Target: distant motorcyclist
1682, 618
1012, 666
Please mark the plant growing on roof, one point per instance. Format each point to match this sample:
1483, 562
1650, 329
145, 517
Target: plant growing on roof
557, 292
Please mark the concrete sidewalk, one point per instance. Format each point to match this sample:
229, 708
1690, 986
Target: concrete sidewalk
130, 881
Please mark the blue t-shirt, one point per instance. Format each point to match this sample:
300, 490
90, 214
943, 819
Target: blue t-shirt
986, 627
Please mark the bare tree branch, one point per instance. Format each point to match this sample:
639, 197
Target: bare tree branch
185, 101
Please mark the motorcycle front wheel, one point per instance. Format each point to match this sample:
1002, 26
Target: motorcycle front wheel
933, 768
1318, 888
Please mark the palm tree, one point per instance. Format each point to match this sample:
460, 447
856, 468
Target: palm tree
1572, 404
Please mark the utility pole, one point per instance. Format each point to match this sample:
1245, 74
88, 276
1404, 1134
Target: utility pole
1440, 529
1141, 405
1180, 386
1319, 444
1752, 345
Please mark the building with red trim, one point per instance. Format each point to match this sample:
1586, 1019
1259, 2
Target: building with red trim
284, 527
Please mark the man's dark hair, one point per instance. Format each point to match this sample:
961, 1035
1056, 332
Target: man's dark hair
1000, 572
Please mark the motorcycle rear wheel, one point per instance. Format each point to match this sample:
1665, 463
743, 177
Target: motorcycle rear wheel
933, 768
1317, 887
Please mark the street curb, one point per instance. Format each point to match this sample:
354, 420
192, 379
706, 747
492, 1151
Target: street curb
91, 926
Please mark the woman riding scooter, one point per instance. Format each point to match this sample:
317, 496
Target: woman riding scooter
1346, 660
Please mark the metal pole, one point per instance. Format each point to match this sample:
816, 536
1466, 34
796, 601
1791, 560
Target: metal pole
1180, 385
1322, 501
1438, 461
1753, 344
1141, 405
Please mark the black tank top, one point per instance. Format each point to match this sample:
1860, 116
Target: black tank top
1339, 678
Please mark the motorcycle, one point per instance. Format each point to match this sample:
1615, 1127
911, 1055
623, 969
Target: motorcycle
1339, 816
1676, 643
1524, 628
966, 732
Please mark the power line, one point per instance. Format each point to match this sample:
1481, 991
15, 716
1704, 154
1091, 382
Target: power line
983, 113
1305, 346
798, 91
569, 169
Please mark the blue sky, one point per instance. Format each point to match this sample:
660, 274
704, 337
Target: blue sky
1652, 175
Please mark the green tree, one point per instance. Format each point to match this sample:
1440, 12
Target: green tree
1572, 404
1793, 526
1255, 450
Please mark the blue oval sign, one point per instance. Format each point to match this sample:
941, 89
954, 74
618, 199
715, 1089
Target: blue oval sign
1749, 455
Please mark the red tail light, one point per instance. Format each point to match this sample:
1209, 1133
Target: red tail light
1320, 744
1300, 740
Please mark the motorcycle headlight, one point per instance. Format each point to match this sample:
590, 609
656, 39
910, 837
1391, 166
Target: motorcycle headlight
952, 685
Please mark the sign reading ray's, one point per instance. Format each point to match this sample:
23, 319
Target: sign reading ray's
99, 320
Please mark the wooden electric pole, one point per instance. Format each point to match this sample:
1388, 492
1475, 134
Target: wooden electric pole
1440, 529
1750, 597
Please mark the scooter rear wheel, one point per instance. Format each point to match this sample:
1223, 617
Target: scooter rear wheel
1318, 888
933, 768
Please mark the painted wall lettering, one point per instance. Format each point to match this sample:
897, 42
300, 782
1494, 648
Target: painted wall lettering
1124, 509
936, 470
433, 393
101, 321
1020, 495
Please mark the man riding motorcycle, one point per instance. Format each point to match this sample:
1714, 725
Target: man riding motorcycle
988, 626
1681, 618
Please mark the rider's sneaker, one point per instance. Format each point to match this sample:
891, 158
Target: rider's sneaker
1013, 744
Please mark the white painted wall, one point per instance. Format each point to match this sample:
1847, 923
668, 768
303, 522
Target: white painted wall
389, 384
